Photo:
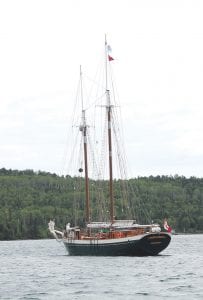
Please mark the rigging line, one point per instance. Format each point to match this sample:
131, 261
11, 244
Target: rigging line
103, 149
120, 150
97, 98
99, 94
73, 154
95, 102
122, 185
76, 102
122, 170
141, 210
67, 150
77, 192
69, 131
120, 141
94, 164
99, 70
113, 85
120, 128
101, 78
95, 82
115, 92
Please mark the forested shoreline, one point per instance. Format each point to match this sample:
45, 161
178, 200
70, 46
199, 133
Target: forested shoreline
28, 200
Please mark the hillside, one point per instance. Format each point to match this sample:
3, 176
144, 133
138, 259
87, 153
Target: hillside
28, 200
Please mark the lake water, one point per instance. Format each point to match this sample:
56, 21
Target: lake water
41, 269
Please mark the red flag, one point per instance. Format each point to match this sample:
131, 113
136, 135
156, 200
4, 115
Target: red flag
166, 226
109, 50
110, 58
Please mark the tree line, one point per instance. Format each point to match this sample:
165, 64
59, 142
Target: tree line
28, 200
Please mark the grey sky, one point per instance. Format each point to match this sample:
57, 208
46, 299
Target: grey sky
158, 50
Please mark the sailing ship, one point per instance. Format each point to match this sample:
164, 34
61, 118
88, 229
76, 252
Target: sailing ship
108, 235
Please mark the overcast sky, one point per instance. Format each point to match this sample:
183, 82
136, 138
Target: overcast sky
158, 50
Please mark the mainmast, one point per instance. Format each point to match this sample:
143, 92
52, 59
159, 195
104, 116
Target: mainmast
109, 113
83, 129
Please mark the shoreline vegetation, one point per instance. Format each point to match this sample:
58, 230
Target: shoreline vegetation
28, 200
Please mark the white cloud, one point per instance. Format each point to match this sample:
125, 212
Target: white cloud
158, 66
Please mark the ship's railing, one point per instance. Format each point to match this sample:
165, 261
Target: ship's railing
101, 230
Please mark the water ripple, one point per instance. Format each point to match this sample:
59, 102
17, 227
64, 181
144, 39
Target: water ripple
41, 270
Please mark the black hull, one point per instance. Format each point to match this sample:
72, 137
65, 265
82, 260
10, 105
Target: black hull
145, 245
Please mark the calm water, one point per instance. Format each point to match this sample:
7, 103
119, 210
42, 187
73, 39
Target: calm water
41, 269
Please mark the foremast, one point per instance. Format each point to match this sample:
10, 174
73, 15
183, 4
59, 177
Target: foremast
109, 118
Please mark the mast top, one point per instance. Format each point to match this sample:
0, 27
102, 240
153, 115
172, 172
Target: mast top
81, 88
106, 64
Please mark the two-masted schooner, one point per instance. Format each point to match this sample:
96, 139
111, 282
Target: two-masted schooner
108, 236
